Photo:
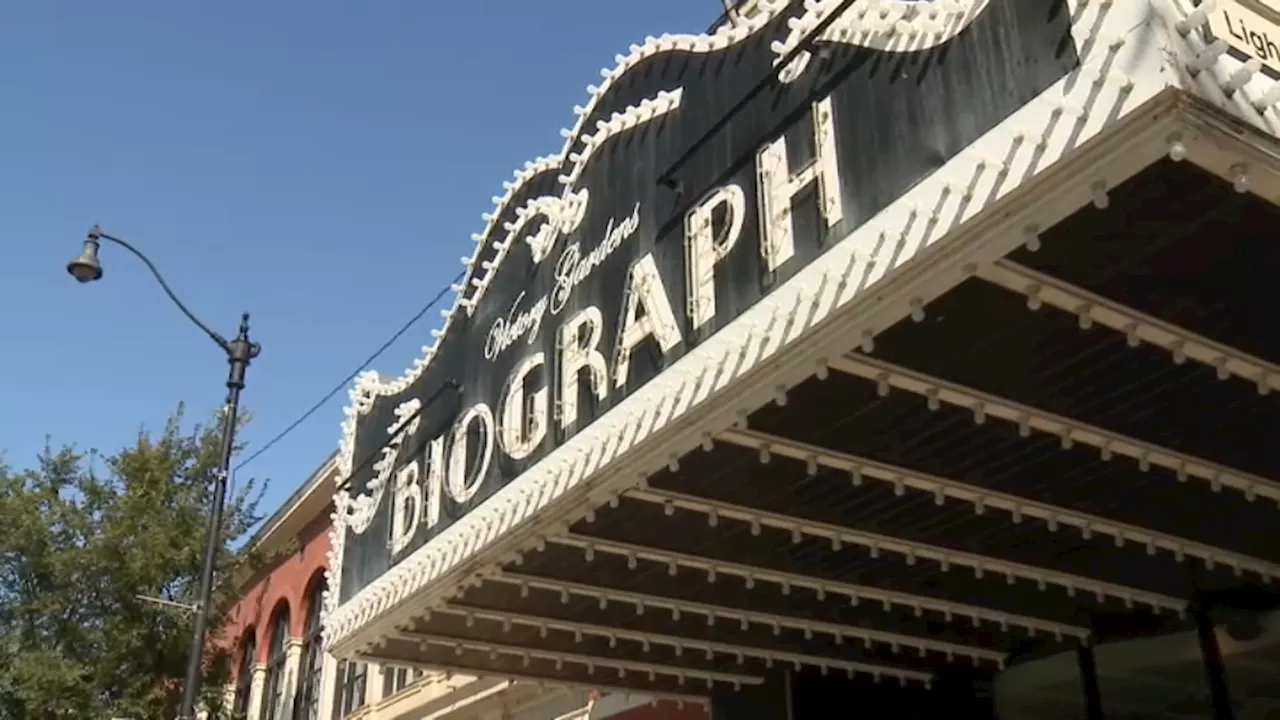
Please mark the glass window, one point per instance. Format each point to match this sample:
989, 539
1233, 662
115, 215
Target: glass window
244, 676
395, 679
350, 697
307, 698
273, 690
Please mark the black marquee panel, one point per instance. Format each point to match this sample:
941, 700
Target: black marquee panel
898, 117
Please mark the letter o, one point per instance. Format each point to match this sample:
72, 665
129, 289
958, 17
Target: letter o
461, 488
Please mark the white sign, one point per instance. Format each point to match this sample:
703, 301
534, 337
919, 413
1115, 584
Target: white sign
572, 269
1250, 27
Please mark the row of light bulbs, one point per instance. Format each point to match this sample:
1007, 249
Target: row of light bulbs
786, 582
861, 21
1137, 327
654, 697
1028, 419
680, 645
590, 662
1019, 508
709, 649
876, 544
473, 286
725, 36
745, 619
562, 212
372, 384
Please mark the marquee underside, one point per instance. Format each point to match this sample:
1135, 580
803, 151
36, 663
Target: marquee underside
1075, 442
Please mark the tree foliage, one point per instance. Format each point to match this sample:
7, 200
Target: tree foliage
83, 539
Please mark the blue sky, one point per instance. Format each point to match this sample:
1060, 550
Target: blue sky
320, 164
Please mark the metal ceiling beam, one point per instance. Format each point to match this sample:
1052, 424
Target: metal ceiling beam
889, 376
855, 594
1138, 327
911, 552
982, 499
839, 632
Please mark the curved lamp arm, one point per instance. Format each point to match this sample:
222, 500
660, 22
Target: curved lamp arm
89, 260
240, 351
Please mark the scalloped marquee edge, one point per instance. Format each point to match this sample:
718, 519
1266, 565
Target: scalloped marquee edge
1002, 152
876, 24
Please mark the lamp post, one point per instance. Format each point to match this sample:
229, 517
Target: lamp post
239, 351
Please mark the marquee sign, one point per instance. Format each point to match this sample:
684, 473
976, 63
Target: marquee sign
660, 222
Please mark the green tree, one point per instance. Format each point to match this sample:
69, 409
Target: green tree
82, 537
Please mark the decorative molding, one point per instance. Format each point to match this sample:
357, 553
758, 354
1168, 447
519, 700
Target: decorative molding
951, 611
359, 512
839, 633
886, 25
944, 489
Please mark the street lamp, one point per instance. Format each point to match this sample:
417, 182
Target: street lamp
239, 351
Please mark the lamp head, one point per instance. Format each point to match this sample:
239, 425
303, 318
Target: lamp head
87, 268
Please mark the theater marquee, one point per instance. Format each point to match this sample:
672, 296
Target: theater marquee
660, 223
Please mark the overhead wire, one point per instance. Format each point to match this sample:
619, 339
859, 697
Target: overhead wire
346, 381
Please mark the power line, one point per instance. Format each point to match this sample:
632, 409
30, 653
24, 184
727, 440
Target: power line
352, 376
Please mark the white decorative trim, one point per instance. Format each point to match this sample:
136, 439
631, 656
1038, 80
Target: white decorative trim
1138, 327
709, 678
1181, 467
839, 633
889, 599
983, 499
886, 25
359, 512
757, 350
910, 552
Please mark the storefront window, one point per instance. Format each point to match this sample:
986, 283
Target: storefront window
1154, 677
350, 697
1155, 674
1044, 689
395, 679
1250, 645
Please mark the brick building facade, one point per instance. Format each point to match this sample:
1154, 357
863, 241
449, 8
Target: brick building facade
280, 671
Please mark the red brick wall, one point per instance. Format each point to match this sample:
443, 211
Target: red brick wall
286, 584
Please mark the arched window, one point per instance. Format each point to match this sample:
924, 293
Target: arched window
273, 690
244, 675
307, 698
